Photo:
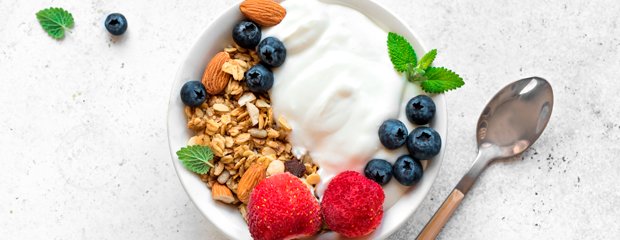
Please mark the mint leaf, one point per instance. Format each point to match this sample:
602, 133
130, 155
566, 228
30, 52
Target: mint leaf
440, 80
196, 158
427, 59
401, 52
54, 21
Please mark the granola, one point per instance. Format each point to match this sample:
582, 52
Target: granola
241, 129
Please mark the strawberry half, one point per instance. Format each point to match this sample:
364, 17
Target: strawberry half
282, 207
352, 204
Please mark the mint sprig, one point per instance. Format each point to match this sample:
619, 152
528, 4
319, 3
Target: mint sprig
431, 79
196, 158
55, 21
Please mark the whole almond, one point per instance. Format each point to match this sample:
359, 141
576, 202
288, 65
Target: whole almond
249, 180
221, 193
266, 13
214, 79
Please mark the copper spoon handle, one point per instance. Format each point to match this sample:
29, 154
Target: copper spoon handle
441, 217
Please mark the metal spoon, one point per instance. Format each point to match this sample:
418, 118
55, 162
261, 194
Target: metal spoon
510, 123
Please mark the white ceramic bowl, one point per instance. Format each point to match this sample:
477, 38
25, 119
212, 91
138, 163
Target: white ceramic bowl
217, 36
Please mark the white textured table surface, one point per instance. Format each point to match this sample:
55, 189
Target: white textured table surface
83, 142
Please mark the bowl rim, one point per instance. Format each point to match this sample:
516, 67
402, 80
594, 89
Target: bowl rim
438, 98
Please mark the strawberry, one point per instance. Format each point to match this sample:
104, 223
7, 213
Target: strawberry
281, 207
352, 204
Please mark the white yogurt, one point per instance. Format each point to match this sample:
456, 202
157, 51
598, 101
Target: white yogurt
336, 87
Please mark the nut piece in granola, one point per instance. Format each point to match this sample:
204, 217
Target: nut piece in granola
313, 179
243, 209
223, 178
275, 167
219, 168
246, 98
214, 79
249, 180
221, 193
253, 112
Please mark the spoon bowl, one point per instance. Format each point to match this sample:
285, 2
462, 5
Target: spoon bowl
515, 117
510, 123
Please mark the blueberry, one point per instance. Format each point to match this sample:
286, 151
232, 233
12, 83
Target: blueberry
420, 110
379, 171
423, 143
193, 93
259, 78
246, 34
393, 133
272, 52
407, 170
116, 24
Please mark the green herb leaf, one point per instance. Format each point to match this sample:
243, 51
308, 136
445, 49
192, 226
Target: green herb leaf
54, 21
427, 59
401, 52
415, 74
196, 158
440, 80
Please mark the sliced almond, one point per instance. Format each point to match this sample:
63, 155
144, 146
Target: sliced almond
253, 112
246, 98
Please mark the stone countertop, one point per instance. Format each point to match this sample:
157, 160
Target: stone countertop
83, 137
